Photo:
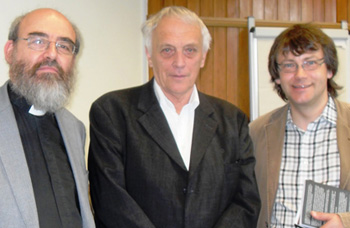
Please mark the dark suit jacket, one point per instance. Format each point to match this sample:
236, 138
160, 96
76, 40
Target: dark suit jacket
137, 175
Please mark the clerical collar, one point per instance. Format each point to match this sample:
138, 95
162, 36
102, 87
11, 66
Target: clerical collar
36, 112
22, 103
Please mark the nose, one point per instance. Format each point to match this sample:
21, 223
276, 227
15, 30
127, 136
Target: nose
179, 60
51, 51
300, 72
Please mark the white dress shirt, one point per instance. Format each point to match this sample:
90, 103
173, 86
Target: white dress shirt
181, 125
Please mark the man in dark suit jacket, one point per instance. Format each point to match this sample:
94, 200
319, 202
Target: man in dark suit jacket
165, 155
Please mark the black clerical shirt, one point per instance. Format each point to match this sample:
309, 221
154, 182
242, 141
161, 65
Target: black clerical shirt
52, 179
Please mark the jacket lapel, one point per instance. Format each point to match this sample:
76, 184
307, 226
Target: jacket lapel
203, 131
274, 133
154, 121
74, 138
343, 146
343, 138
73, 134
13, 159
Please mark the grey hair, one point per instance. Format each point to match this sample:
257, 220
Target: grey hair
13, 33
180, 12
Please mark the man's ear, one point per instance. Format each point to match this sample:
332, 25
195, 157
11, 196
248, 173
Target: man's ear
8, 51
329, 74
150, 64
204, 56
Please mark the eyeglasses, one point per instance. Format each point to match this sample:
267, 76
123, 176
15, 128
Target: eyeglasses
38, 43
292, 67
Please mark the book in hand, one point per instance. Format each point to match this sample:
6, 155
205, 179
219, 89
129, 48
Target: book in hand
322, 198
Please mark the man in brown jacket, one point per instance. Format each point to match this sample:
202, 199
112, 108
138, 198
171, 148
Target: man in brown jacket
308, 138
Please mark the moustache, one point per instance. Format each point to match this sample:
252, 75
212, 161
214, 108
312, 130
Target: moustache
48, 63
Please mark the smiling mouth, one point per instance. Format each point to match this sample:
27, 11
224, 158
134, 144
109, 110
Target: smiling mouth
301, 86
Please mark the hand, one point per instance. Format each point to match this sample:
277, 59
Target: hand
332, 220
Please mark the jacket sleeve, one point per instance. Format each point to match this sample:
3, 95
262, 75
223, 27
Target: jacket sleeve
245, 207
112, 204
345, 218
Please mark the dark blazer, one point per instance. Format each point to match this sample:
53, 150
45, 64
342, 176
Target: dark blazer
137, 175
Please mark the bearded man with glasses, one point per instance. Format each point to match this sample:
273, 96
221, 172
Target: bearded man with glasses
308, 138
43, 177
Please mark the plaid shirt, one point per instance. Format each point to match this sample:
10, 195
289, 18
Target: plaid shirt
312, 154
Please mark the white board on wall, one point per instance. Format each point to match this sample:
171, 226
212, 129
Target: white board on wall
263, 98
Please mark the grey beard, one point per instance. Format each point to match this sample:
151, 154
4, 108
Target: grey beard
48, 92
49, 96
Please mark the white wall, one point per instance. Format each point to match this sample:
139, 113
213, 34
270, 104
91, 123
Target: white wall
112, 56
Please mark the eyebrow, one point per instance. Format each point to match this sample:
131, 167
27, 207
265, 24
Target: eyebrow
311, 57
307, 58
41, 34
